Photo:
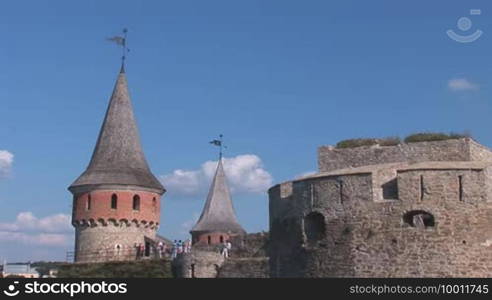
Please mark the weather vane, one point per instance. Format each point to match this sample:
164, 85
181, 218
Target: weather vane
218, 142
121, 41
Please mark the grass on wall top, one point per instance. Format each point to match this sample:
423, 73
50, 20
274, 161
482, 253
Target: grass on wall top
393, 141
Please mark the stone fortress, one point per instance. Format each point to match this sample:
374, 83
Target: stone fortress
420, 209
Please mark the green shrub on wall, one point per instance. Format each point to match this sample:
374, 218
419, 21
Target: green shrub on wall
390, 141
433, 136
352, 143
393, 141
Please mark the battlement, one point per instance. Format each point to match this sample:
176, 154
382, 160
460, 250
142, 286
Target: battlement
123, 223
464, 149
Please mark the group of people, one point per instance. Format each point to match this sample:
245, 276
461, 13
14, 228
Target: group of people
139, 250
180, 247
162, 250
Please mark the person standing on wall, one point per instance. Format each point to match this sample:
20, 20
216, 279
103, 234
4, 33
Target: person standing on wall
225, 251
229, 247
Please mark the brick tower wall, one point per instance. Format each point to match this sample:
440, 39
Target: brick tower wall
103, 233
214, 238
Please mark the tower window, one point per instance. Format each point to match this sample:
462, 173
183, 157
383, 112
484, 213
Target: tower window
460, 184
390, 189
419, 219
136, 202
154, 204
192, 270
422, 187
114, 201
340, 190
89, 202
209, 240
221, 239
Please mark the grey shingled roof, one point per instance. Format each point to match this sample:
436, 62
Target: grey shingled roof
218, 213
118, 158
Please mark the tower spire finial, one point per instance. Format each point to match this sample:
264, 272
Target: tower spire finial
218, 142
125, 50
121, 41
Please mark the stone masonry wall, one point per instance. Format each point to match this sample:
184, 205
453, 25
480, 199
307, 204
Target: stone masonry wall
330, 158
248, 259
439, 225
479, 152
253, 245
198, 264
99, 242
245, 268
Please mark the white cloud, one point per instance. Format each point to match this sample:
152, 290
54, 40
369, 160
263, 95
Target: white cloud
187, 225
6, 161
245, 174
44, 239
462, 84
55, 230
26, 221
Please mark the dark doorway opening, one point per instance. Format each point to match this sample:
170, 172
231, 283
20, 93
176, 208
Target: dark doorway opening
314, 227
147, 248
193, 271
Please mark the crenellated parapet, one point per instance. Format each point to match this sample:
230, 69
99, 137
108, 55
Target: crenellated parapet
122, 223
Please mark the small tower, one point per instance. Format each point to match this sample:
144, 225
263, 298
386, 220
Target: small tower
218, 220
116, 201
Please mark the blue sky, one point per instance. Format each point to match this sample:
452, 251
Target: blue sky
277, 78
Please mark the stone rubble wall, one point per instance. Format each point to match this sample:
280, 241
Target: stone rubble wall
98, 242
198, 264
245, 268
247, 260
367, 238
465, 149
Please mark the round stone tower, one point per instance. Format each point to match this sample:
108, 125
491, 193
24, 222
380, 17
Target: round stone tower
116, 201
421, 209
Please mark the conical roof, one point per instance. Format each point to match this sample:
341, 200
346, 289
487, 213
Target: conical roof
118, 158
218, 214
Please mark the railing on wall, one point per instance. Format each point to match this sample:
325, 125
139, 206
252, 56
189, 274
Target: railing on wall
115, 255
126, 254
